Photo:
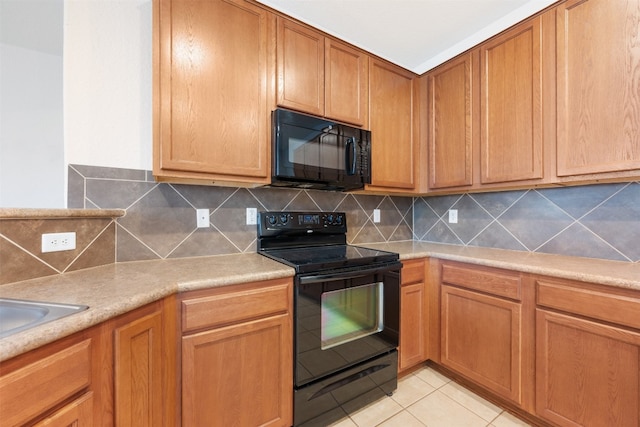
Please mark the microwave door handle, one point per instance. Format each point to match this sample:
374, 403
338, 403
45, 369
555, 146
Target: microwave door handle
350, 156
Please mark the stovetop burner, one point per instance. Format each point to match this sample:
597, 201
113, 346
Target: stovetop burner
319, 258
313, 242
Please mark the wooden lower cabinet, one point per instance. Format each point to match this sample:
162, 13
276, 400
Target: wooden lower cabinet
481, 339
413, 315
237, 356
486, 333
588, 374
587, 354
141, 364
52, 385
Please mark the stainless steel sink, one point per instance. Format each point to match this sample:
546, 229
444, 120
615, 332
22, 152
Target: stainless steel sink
18, 315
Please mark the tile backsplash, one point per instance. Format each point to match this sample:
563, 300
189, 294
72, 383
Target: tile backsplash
160, 219
21, 257
596, 221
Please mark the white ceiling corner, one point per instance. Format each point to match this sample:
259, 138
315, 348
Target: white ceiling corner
415, 34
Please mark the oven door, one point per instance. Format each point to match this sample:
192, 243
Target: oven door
343, 319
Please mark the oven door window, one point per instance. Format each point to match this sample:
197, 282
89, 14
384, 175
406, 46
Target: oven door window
350, 314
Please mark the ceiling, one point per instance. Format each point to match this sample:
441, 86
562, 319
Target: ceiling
415, 34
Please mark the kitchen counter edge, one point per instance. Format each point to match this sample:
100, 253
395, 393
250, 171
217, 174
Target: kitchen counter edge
115, 289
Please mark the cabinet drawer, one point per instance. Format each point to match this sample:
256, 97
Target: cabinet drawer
412, 271
492, 281
597, 304
233, 304
39, 386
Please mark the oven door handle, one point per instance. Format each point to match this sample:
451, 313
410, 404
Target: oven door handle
355, 274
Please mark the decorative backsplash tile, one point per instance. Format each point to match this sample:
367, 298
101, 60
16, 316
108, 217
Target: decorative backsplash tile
20, 247
160, 219
595, 221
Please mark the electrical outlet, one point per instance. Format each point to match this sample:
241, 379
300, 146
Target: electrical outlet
202, 218
252, 216
376, 215
54, 242
453, 216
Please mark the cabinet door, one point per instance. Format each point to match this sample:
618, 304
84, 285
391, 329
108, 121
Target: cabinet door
79, 413
598, 102
300, 59
138, 351
451, 122
239, 375
412, 346
512, 105
587, 374
481, 339
213, 92
393, 153
346, 83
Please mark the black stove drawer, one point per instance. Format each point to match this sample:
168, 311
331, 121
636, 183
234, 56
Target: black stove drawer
322, 403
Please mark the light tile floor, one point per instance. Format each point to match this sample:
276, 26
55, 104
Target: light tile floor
427, 398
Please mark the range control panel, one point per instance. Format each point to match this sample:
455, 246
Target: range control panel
333, 222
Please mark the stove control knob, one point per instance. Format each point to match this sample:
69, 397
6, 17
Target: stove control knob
338, 220
272, 220
284, 218
329, 219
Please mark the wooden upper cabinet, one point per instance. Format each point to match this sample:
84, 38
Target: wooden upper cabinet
511, 138
452, 121
300, 59
598, 78
214, 72
394, 151
320, 75
346, 83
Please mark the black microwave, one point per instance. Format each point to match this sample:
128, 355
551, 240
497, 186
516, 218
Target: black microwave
316, 153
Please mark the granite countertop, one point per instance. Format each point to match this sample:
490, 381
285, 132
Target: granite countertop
613, 273
115, 289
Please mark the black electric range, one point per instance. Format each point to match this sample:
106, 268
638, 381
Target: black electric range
314, 242
346, 305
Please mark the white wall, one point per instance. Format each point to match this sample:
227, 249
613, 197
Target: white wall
107, 83
32, 167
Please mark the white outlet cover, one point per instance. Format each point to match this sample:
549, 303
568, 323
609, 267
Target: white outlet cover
56, 242
376, 215
202, 218
252, 216
453, 216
